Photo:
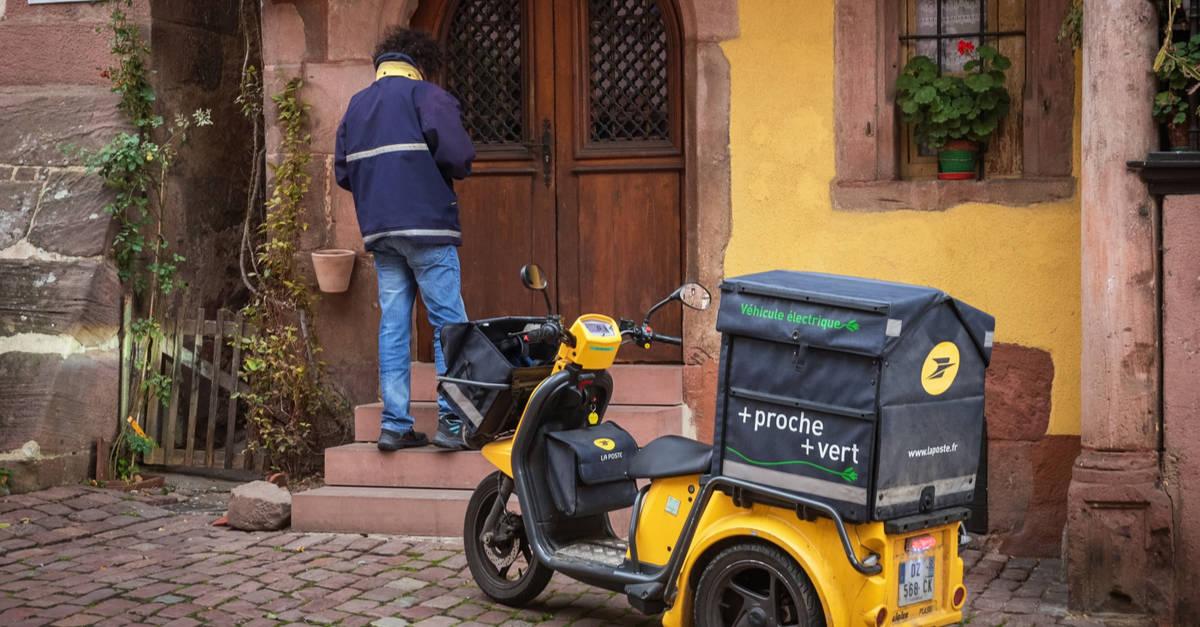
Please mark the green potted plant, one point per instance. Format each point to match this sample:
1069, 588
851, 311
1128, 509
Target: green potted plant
955, 114
1176, 68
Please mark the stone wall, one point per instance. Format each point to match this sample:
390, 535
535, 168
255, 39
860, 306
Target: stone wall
1181, 395
60, 299
1028, 470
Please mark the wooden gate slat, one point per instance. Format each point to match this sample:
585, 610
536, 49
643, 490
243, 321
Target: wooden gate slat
197, 327
152, 400
234, 366
127, 357
172, 416
211, 430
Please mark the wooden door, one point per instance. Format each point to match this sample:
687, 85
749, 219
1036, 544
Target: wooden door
576, 119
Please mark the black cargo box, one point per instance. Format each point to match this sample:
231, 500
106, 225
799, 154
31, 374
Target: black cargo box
866, 395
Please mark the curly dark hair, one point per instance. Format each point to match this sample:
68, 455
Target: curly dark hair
417, 44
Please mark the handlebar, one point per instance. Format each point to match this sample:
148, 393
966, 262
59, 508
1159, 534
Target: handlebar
549, 331
643, 335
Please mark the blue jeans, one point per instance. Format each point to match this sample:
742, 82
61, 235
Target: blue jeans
401, 267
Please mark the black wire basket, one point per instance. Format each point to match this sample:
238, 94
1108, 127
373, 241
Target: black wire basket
490, 373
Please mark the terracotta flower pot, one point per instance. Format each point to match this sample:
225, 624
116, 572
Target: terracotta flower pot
1177, 136
333, 267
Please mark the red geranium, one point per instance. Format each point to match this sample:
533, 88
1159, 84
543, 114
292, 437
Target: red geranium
965, 46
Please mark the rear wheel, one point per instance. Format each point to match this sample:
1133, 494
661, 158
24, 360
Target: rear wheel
755, 585
500, 558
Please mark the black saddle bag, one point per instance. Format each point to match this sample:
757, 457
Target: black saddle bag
588, 469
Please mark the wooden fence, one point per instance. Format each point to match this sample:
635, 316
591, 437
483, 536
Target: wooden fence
199, 427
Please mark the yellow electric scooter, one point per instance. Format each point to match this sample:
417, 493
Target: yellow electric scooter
722, 534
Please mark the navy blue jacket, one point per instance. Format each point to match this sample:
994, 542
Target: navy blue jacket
399, 145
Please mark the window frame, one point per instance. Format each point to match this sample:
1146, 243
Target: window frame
867, 130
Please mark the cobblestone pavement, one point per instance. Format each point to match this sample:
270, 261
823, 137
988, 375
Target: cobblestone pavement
89, 556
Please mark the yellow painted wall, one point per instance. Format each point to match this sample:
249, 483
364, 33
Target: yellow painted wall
1019, 264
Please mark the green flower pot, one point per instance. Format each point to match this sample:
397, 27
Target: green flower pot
955, 161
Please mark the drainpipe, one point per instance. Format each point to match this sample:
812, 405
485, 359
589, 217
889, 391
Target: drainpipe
1119, 518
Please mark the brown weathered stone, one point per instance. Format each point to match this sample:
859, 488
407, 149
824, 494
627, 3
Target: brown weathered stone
40, 121
933, 195
1119, 550
283, 34
63, 404
355, 28
26, 62
1019, 382
348, 325
81, 298
329, 88
1039, 534
71, 219
1181, 394
1010, 484
259, 506
700, 392
64, 469
17, 203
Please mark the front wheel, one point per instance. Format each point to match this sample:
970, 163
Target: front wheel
500, 558
755, 585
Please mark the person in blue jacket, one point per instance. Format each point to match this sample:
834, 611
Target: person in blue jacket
399, 147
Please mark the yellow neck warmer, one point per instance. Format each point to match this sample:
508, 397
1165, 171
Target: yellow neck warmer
398, 68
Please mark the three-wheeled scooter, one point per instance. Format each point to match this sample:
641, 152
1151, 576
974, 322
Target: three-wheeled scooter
846, 443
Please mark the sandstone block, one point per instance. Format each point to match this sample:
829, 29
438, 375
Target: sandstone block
39, 121
71, 219
259, 506
1010, 484
329, 88
81, 299
283, 34
355, 27
17, 203
1019, 383
27, 62
61, 403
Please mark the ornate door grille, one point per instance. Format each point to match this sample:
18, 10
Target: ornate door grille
629, 90
484, 69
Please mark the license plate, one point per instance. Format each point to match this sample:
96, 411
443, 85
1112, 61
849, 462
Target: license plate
916, 580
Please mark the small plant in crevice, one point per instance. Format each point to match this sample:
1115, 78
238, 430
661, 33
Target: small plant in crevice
293, 411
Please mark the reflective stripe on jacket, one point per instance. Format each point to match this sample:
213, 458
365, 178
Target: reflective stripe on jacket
399, 145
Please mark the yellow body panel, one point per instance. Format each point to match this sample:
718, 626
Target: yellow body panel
847, 596
664, 510
499, 453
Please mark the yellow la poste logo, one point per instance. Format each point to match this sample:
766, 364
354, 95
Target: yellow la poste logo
940, 368
605, 443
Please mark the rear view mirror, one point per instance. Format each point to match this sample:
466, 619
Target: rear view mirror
695, 296
533, 277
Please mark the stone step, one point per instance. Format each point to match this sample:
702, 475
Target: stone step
633, 384
362, 465
397, 511
400, 511
643, 422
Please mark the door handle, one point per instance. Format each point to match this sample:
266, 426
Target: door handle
547, 146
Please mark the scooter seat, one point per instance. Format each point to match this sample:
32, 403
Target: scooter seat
671, 456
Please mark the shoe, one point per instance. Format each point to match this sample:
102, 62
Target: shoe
449, 434
392, 441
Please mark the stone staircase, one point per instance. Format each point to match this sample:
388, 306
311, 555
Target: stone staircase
424, 491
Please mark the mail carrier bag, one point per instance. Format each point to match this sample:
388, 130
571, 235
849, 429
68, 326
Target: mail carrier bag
588, 469
866, 395
490, 373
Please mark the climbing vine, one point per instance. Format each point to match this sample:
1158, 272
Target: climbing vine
135, 165
293, 411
